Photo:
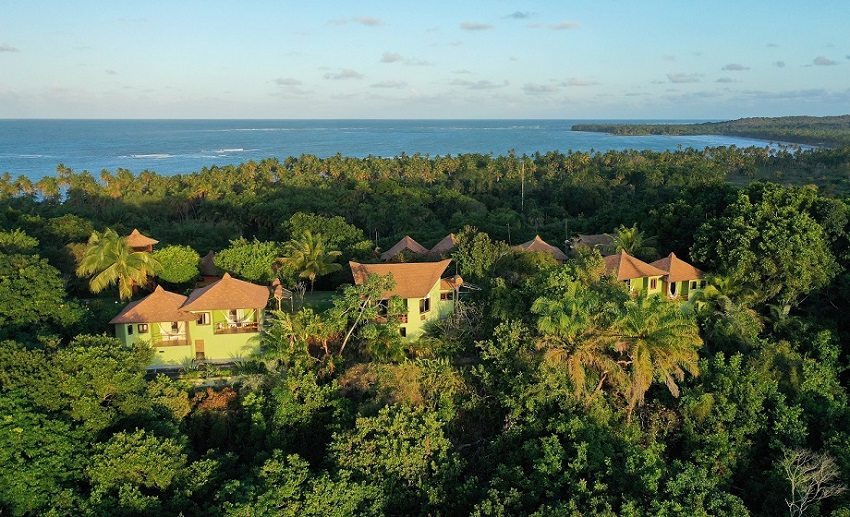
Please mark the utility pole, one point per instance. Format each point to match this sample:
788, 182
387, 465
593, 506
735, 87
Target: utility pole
522, 188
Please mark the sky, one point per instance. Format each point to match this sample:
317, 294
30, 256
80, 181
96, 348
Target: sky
436, 59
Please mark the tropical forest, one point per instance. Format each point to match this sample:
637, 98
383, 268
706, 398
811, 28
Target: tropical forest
549, 388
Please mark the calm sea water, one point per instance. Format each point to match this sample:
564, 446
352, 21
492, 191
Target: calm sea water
35, 147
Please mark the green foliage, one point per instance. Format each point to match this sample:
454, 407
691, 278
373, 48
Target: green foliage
17, 242
768, 241
179, 264
108, 260
252, 260
406, 451
337, 233
308, 255
476, 254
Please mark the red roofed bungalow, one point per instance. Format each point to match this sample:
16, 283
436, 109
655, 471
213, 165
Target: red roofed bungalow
538, 244
681, 280
635, 273
139, 242
407, 246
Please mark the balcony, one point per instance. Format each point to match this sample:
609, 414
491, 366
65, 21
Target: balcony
237, 327
170, 340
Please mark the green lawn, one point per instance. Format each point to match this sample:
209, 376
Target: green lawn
317, 300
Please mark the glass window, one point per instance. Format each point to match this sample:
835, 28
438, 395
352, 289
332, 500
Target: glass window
653, 283
175, 327
402, 331
204, 318
693, 285
424, 305
143, 328
383, 307
129, 330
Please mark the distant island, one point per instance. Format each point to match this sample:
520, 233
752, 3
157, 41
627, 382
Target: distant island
819, 131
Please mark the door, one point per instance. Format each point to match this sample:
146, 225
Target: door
199, 349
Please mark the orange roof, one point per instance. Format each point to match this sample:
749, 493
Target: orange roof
160, 305
626, 267
453, 282
412, 279
677, 269
445, 245
405, 244
538, 244
137, 240
227, 293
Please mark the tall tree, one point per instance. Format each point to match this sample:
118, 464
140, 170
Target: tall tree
108, 260
659, 342
634, 242
308, 255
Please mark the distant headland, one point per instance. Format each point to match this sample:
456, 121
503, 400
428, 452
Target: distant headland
831, 131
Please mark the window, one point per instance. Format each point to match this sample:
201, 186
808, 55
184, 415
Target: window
233, 315
129, 330
383, 307
143, 328
402, 331
693, 285
175, 327
702, 284
653, 283
447, 296
424, 305
204, 318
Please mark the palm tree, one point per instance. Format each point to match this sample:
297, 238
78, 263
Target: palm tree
108, 260
634, 242
659, 342
570, 337
724, 308
307, 254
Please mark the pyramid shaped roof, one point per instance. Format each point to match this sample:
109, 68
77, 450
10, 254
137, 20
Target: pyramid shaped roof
227, 293
627, 267
160, 305
538, 244
405, 244
677, 269
412, 279
445, 245
137, 240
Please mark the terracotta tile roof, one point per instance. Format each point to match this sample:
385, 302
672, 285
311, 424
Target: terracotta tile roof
677, 269
207, 266
626, 267
160, 305
137, 240
538, 244
451, 283
228, 293
445, 245
412, 279
405, 244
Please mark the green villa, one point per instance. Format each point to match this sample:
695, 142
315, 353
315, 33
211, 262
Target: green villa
215, 323
426, 295
681, 280
637, 275
670, 276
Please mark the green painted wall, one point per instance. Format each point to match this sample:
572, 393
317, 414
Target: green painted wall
415, 325
217, 347
642, 285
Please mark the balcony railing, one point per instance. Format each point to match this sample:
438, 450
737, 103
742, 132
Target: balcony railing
171, 340
238, 327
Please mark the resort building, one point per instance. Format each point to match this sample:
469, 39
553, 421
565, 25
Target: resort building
538, 244
444, 247
139, 242
406, 246
216, 323
681, 280
638, 276
425, 294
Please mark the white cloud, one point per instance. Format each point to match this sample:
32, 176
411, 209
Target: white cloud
287, 81
366, 21
397, 85
823, 61
520, 15
391, 57
8, 48
479, 85
684, 78
475, 26
344, 74
560, 26
779, 64
735, 67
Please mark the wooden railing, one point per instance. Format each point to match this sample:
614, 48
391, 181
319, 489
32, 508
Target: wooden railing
240, 327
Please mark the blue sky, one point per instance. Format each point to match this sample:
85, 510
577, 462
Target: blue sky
435, 59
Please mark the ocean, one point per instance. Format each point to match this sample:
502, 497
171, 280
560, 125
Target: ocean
34, 148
